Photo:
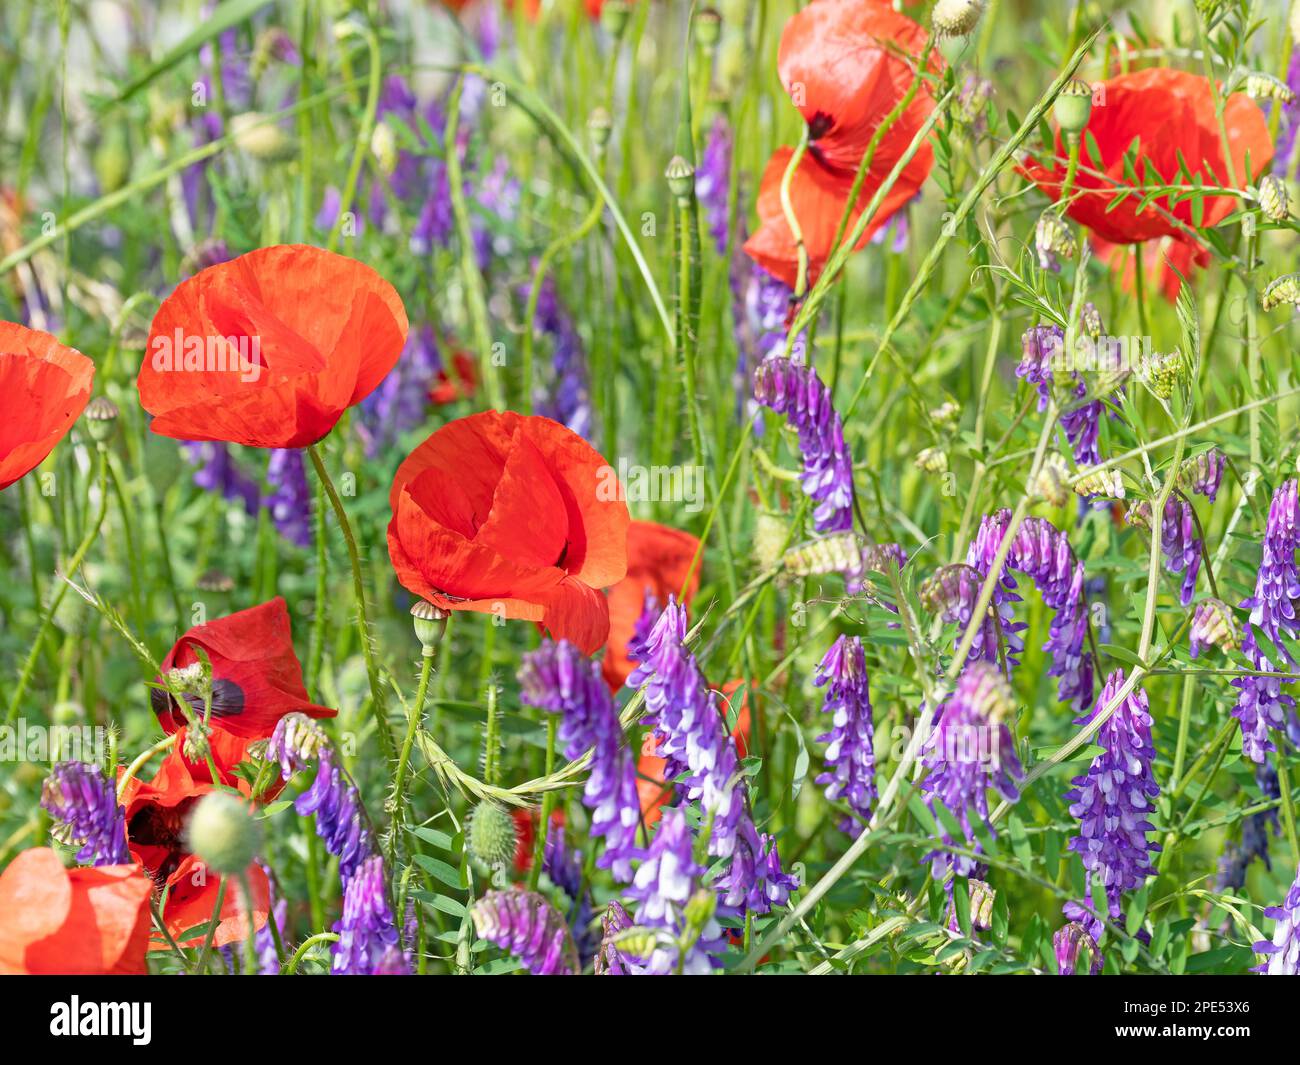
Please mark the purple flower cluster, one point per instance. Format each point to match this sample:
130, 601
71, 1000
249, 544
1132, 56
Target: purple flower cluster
290, 502
217, 471
1116, 796
557, 678
401, 401
563, 864
1076, 951
609, 959
1284, 162
340, 817
713, 182
84, 803
268, 957
692, 737
369, 944
1043, 553
970, 751
796, 391
567, 399
850, 757
1283, 952
524, 924
1261, 705
1203, 473
664, 884
1179, 544
1040, 345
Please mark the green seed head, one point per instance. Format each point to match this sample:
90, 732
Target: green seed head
101, 418
492, 834
223, 833
1073, 106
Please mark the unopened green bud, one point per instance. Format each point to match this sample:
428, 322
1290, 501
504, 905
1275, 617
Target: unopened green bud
223, 833
101, 418
1073, 106
492, 837
430, 623
699, 909
956, 18
681, 178
614, 15
707, 26
599, 127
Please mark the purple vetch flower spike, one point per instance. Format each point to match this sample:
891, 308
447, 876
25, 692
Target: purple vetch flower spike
691, 736
952, 592
850, 758
369, 944
713, 182
1179, 544
296, 743
567, 400
525, 925
1203, 474
664, 884
970, 751
1076, 951
1042, 349
563, 864
1116, 796
83, 802
797, 392
1261, 704
340, 816
1284, 162
290, 504
268, 957
1213, 625
218, 472
1283, 952
557, 678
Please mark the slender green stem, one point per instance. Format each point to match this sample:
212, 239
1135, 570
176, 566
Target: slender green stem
364, 131
311, 941
404, 758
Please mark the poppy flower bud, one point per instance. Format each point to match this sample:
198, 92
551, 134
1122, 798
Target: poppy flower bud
956, 18
707, 26
492, 836
101, 418
383, 146
1073, 106
430, 624
223, 833
1107, 483
932, 460
1273, 198
1283, 290
599, 127
1051, 481
681, 178
260, 138
613, 16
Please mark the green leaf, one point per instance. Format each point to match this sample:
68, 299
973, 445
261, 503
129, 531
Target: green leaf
440, 870
441, 840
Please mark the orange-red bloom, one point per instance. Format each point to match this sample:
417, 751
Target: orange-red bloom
846, 64
84, 921
1170, 115
256, 676
156, 815
271, 348
512, 515
460, 383
658, 560
44, 387
1166, 263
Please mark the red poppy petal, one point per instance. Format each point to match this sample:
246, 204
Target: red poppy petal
577, 612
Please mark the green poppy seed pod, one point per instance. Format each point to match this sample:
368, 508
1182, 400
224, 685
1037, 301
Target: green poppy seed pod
1073, 106
223, 833
430, 623
1273, 198
599, 126
492, 837
614, 15
101, 418
707, 27
259, 138
956, 18
681, 178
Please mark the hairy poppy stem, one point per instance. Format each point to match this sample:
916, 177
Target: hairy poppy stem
378, 701
404, 758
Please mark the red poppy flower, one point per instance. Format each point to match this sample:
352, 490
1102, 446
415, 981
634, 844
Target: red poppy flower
844, 64
44, 387
270, 349
86, 921
651, 788
461, 383
658, 559
156, 815
1169, 115
256, 677
526, 821
512, 515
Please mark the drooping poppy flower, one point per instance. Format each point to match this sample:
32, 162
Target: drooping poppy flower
44, 387
256, 676
157, 812
513, 515
271, 348
652, 789
1166, 116
846, 65
91, 921
460, 382
658, 560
